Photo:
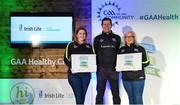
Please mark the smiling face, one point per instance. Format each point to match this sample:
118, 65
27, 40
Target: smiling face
81, 36
129, 38
106, 25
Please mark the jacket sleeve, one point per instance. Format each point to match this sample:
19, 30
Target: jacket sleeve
119, 51
67, 55
145, 58
95, 45
119, 43
91, 49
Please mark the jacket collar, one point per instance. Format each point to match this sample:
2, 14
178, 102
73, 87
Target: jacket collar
132, 45
104, 33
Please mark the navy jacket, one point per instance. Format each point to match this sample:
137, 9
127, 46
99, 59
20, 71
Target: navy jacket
75, 48
105, 47
134, 75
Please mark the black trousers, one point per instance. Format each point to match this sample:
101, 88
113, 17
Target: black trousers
102, 76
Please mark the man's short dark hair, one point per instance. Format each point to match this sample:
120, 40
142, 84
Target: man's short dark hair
106, 19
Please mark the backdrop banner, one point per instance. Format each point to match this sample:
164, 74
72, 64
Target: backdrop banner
157, 25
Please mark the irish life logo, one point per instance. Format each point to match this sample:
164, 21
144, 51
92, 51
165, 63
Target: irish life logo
114, 11
22, 93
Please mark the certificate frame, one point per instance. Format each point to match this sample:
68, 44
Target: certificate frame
81, 63
129, 62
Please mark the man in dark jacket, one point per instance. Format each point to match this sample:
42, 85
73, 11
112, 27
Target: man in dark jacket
106, 46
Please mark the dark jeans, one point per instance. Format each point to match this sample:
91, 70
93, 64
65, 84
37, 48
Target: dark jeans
79, 83
102, 76
134, 90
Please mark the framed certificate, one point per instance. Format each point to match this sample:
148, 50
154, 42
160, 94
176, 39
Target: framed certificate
129, 62
83, 63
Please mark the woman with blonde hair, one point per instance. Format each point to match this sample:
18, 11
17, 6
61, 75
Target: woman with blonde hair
133, 81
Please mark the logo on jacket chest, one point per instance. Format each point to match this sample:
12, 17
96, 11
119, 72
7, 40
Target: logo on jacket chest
101, 40
87, 46
114, 40
107, 46
122, 51
136, 50
75, 46
107, 43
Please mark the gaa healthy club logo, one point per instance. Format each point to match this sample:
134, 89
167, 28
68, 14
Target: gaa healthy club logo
83, 61
22, 93
113, 11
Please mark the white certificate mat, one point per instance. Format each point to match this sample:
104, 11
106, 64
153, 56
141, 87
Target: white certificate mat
129, 62
83, 63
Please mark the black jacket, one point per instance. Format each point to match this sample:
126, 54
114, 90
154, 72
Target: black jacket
106, 46
75, 48
134, 75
